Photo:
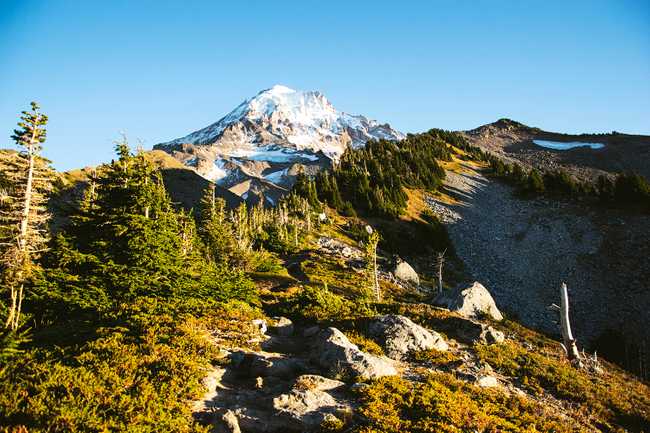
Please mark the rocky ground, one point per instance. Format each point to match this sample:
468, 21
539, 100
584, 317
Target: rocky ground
302, 377
523, 249
298, 377
313, 374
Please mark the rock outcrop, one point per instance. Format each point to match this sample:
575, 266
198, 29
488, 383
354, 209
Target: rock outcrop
473, 302
400, 336
310, 402
334, 353
405, 272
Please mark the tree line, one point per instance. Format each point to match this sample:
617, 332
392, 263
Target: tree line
371, 180
622, 190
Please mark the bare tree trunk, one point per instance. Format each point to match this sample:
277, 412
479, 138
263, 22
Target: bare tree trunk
441, 261
12, 309
13, 318
569, 345
375, 277
24, 220
18, 308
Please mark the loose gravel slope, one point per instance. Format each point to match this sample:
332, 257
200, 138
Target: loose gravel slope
523, 249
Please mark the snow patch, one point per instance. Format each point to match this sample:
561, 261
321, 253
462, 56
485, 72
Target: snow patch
276, 176
562, 145
217, 171
272, 154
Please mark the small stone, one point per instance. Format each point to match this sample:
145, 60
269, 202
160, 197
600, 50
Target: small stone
230, 422
487, 382
260, 324
492, 336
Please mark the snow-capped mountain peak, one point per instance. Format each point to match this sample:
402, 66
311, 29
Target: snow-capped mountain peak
273, 130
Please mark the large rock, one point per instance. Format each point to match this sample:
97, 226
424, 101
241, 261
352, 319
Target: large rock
332, 351
473, 302
308, 404
405, 272
401, 336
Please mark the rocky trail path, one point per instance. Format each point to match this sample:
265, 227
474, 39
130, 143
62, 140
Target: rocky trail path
295, 378
293, 265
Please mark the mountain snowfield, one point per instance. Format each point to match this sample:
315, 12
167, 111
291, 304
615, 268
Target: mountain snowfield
258, 148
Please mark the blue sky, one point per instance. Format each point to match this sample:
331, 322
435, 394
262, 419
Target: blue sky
157, 70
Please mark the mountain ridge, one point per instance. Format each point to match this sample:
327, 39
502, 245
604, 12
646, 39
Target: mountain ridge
519, 143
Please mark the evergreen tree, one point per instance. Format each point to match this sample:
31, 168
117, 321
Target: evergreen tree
216, 231
128, 241
535, 183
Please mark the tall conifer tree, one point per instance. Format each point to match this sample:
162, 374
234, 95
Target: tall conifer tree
23, 212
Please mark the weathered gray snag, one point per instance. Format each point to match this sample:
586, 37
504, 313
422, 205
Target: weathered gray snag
440, 261
570, 347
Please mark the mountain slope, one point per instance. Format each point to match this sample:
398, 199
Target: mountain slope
269, 138
594, 154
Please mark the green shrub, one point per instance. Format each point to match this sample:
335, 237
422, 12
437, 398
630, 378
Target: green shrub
608, 398
444, 404
319, 304
135, 377
436, 357
366, 344
334, 273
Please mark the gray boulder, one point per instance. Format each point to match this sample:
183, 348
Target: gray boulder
487, 382
309, 403
405, 272
401, 336
473, 302
333, 352
492, 336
